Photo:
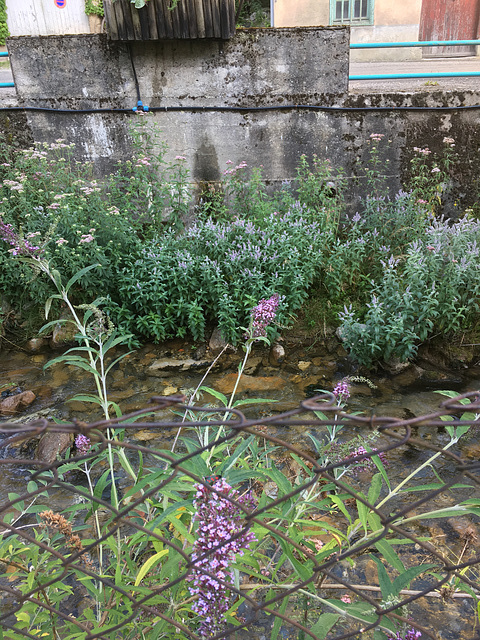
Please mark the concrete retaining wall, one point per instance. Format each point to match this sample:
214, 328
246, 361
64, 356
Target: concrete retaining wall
233, 81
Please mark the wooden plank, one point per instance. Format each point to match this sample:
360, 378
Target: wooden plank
217, 30
227, 21
160, 19
144, 21
120, 20
152, 18
191, 17
449, 20
169, 22
136, 29
176, 28
200, 18
182, 18
110, 19
207, 14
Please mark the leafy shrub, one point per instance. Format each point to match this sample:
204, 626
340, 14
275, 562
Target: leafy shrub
434, 287
216, 271
81, 221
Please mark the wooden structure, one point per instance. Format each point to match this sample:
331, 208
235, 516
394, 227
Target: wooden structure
449, 20
157, 20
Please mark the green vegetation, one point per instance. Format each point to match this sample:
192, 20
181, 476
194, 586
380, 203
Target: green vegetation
4, 33
390, 275
94, 7
166, 559
151, 539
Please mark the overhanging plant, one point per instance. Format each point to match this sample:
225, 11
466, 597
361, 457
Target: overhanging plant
94, 8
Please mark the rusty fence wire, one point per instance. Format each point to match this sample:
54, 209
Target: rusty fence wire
323, 542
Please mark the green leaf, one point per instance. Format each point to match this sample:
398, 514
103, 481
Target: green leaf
181, 528
216, 394
339, 503
281, 480
404, 579
304, 570
86, 398
375, 488
377, 461
387, 551
386, 586
149, 564
54, 323
324, 624
99, 489
76, 361
112, 364
278, 621
229, 462
240, 403
79, 275
363, 514
48, 303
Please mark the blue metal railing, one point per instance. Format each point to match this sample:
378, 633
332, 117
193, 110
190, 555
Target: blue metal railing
424, 43
4, 54
383, 45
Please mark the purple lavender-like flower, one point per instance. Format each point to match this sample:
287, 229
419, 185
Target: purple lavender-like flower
411, 634
21, 246
366, 464
219, 520
262, 315
82, 444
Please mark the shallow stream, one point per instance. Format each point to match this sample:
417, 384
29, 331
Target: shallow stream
177, 368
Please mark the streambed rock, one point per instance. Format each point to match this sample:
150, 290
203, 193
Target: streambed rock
249, 383
13, 404
51, 445
167, 366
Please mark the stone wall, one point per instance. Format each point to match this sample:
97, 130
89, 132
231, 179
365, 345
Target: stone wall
254, 98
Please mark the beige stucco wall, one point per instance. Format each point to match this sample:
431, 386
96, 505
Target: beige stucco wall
393, 22
301, 13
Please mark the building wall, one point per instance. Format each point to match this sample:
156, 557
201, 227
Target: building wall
393, 22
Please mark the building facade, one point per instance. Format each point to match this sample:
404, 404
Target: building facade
388, 21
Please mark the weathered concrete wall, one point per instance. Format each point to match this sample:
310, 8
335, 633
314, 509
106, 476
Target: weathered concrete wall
219, 91
259, 67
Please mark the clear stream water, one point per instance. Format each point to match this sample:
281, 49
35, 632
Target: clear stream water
131, 386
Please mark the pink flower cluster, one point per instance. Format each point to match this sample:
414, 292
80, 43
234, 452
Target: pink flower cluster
242, 165
263, 315
423, 152
221, 535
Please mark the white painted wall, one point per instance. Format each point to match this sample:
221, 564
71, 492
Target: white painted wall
44, 18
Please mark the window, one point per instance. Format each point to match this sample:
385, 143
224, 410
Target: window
351, 12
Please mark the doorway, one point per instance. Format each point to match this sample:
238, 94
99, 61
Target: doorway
449, 20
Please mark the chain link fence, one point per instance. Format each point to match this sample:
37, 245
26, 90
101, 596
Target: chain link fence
214, 524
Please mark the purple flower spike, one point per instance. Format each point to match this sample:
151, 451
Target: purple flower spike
219, 520
411, 634
342, 391
264, 314
21, 246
